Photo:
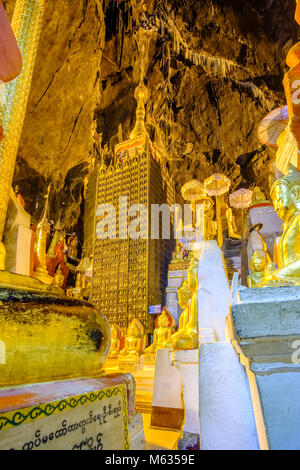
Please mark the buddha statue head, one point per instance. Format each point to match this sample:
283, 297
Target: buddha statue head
258, 262
184, 294
192, 274
135, 329
285, 194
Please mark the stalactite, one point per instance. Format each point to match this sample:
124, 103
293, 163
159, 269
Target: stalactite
212, 65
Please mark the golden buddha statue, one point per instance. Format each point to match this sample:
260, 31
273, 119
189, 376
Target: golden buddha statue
162, 334
184, 295
59, 278
285, 194
134, 339
258, 266
187, 335
210, 230
115, 346
177, 259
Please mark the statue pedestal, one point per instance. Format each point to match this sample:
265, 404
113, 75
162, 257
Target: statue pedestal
175, 402
187, 362
226, 414
48, 336
129, 363
144, 379
148, 360
86, 414
266, 334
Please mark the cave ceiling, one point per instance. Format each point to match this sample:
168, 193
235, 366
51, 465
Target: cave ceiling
213, 68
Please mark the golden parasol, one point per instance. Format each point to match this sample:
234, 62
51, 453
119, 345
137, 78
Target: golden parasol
192, 191
273, 125
216, 185
241, 199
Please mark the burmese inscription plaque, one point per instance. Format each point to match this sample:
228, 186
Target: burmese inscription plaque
92, 421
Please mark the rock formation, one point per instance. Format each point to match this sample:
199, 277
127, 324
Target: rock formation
214, 69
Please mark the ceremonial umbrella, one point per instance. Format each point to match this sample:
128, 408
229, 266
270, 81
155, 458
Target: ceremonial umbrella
216, 185
193, 190
273, 125
241, 199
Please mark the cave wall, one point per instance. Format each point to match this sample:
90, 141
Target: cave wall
214, 69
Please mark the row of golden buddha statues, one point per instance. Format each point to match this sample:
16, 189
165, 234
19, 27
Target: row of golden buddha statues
285, 194
165, 335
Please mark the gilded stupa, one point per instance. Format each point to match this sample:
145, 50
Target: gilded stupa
130, 275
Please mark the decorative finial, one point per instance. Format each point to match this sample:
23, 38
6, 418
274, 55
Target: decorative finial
44, 219
141, 94
43, 227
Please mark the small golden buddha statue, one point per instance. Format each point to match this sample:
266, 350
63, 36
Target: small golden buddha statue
134, 339
285, 194
176, 258
115, 346
162, 334
258, 196
187, 335
59, 278
258, 266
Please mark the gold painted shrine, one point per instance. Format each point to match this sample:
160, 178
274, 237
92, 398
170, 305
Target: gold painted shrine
129, 275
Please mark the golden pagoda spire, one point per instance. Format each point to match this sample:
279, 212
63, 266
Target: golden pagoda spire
43, 227
141, 95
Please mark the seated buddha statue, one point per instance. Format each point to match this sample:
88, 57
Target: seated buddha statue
59, 278
115, 345
187, 335
285, 194
258, 266
177, 259
232, 230
134, 339
162, 334
184, 295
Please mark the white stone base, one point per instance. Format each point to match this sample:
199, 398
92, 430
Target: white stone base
187, 362
226, 414
213, 292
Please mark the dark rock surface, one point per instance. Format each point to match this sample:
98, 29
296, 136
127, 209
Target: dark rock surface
214, 69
